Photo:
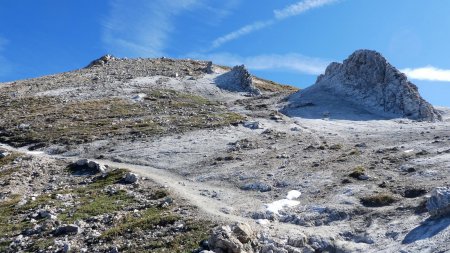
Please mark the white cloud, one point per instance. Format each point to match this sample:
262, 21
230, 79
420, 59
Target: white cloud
300, 7
291, 62
289, 11
428, 73
240, 32
141, 27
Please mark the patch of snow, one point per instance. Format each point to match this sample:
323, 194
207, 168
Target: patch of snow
262, 221
139, 97
408, 151
278, 205
294, 194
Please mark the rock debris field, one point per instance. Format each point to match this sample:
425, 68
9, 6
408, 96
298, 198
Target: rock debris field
166, 155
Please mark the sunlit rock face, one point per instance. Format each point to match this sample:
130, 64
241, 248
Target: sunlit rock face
367, 80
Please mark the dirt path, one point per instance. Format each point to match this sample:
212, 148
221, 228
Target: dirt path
191, 192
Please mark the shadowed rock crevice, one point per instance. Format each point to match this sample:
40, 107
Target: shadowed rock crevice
367, 83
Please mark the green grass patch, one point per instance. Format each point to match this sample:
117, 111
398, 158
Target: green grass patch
93, 200
39, 202
185, 241
149, 219
41, 244
6, 161
8, 211
47, 120
96, 203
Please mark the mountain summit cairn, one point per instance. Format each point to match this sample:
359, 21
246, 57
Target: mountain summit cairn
365, 82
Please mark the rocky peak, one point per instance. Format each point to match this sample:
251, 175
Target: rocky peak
367, 79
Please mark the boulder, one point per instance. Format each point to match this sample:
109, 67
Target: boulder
243, 232
237, 238
85, 166
130, 178
297, 240
439, 202
67, 230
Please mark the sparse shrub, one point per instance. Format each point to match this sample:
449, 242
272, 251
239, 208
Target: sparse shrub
357, 172
378, 200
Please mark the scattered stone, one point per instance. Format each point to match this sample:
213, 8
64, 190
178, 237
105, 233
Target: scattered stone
439, 202
252, 124
257, 186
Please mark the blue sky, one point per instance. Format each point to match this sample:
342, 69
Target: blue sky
289, 41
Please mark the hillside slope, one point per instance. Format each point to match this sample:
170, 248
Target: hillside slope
210, 148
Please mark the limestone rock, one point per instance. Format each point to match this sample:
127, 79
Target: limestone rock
67, 229
243, 232
238, 80
102, 61
85, 166
130, 178
367, 81
238, 238
297, 240
439, 202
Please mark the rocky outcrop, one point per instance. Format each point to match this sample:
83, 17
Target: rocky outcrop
130, 178
439, 202
233, 239
85, 166
102, 61
238, 80
368, 81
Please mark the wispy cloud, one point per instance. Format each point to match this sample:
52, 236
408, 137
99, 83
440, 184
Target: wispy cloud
5, 65
428, 73
290, 62
141, 27
278, 15
241, 32
300, 7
